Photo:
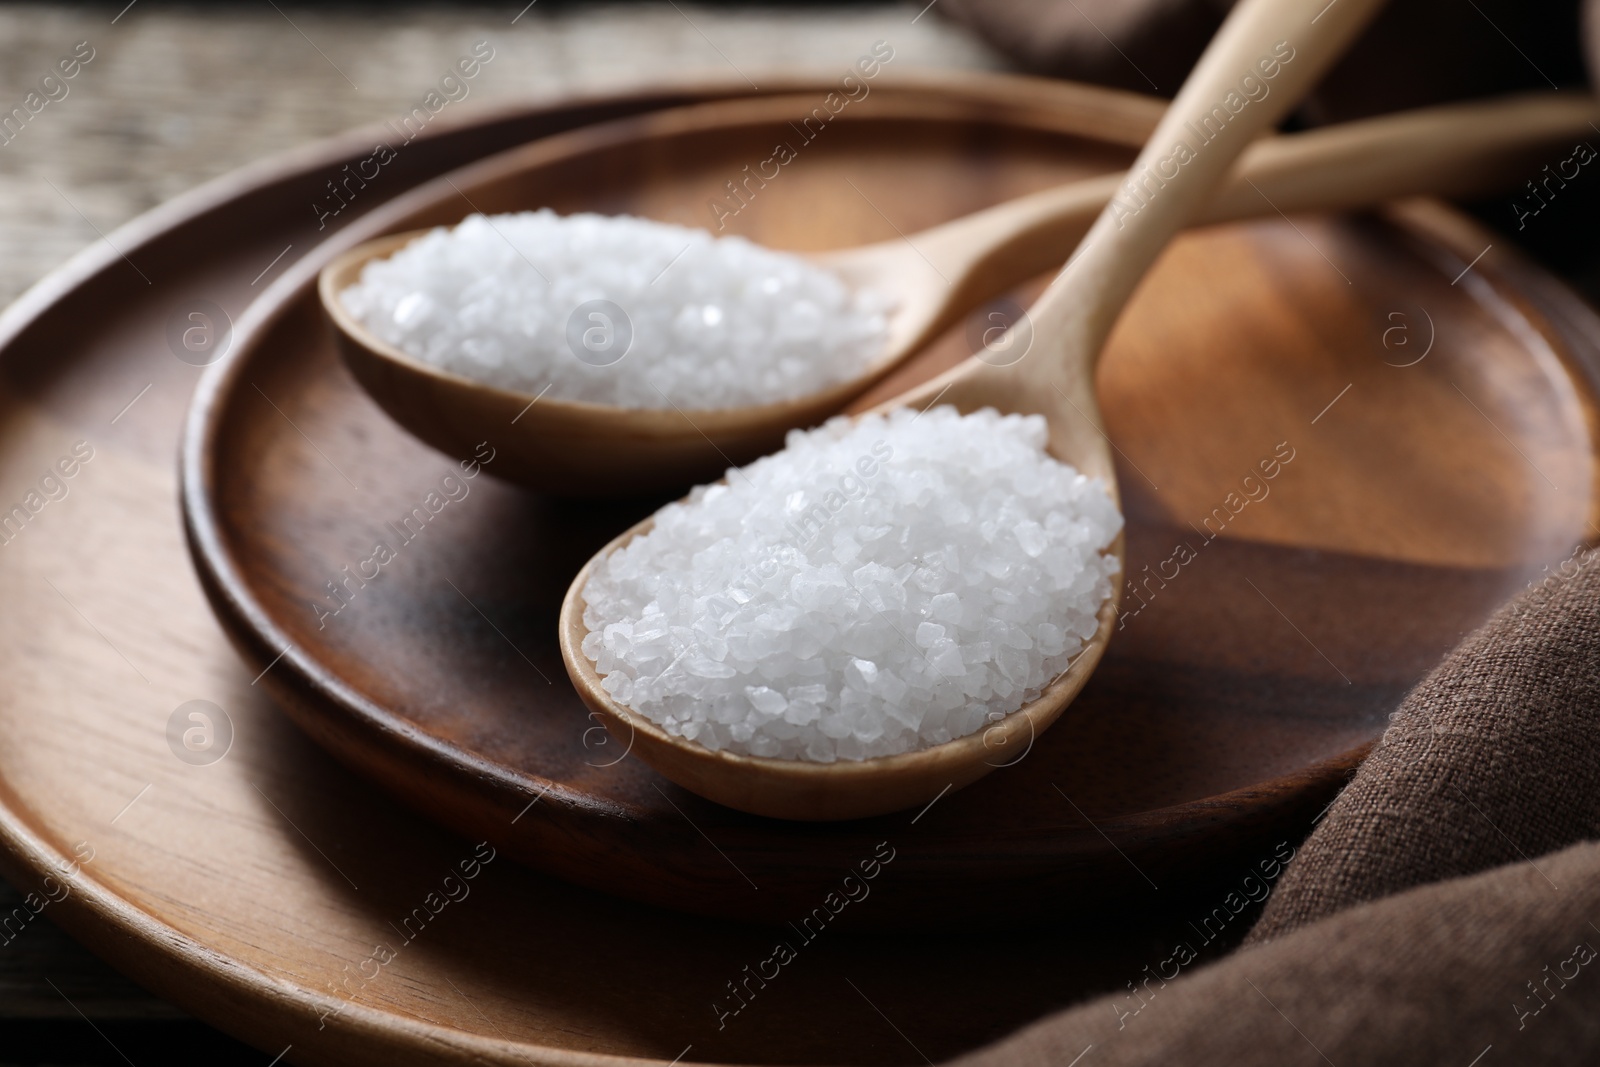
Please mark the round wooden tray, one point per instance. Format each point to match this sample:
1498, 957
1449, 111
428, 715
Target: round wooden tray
255, 890
1263, 644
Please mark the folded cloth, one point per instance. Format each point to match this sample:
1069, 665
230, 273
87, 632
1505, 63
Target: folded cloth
1502, 963
1426, 919
1416, 52
1494, 758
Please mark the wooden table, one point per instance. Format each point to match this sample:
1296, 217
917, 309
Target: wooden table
173, 97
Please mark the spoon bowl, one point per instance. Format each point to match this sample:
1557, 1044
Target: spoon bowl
1070, 324
567, 447
801, 789
578, 448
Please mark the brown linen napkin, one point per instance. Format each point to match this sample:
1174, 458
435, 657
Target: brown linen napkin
1493, 760
1500, 966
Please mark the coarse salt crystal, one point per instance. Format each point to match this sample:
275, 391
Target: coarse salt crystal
735, 622
694, 321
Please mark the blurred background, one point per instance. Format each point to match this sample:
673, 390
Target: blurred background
176, 95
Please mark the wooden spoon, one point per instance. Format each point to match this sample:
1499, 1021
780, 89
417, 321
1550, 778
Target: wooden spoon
936, 276
1071, 322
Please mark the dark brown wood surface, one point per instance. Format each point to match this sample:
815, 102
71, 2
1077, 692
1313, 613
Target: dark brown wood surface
254, 890
1228, 708
178, 95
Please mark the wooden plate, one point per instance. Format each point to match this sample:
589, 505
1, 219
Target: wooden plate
1311, 525
254, 890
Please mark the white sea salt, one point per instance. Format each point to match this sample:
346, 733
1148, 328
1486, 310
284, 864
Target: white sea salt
688, 319
880, 585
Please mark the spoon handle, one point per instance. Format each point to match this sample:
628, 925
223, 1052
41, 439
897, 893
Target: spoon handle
1456, 150
1265, 57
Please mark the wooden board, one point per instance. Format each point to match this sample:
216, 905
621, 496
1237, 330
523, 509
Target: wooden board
254, 890
1229, 707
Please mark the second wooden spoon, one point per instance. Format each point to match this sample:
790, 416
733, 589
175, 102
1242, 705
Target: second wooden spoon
936, 276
